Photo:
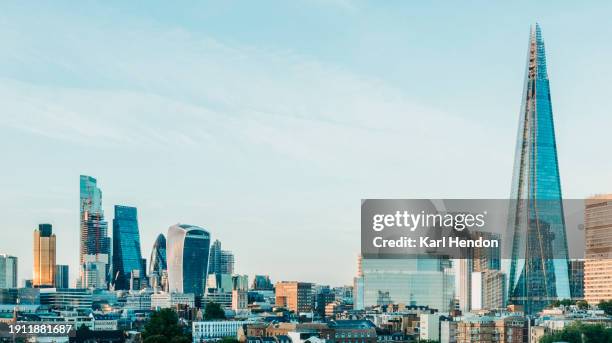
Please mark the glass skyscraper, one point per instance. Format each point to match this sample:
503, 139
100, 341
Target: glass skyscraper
188, 249
539, 266
220, 261
8, 271
95, 245
44, 256
127, 257
158, 264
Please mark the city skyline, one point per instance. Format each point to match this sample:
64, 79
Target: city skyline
256, 154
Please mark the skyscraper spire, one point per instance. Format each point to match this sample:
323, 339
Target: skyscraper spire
539, 266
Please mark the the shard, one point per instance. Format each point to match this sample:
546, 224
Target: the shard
539, 266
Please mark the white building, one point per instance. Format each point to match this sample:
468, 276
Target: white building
138, 301
169, 300
207, 330
448, 331
105, 325
429, 326
94, 271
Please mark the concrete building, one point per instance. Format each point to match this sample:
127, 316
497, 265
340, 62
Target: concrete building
94, 271
138, 301
295, 296
170, 300
488, 290
429, 326
493, 329
598, 249
448, 331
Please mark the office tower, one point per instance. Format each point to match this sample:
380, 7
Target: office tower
220, 261
464, 283
598, 250
219, 289
424, 281
188, 248
576, 271
240, 282
262, 282
126, 248
295, 296
8, 271
94, 272
44, 256
539, 265
486, 258
157, 264
137, 281
61, 276
95, 245
323, 296
488, 290
358, 289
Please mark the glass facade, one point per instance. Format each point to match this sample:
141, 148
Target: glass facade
188, 249
126, 247
425, 281
61, 276
539, 267
8, 271
44, 256
95, 245
220, 261
158, 256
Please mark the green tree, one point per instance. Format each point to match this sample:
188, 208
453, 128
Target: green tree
229, 340
156, 339
180, 339
606, 306
580, 333
583, 305
213, 311
164, 324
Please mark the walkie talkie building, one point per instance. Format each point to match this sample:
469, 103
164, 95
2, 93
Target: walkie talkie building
188, 249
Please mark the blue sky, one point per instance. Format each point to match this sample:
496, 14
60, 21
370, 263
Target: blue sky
268, 121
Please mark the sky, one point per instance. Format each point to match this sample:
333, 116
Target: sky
267, 122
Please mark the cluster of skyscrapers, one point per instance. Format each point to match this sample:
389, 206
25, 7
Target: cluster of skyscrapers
184, 261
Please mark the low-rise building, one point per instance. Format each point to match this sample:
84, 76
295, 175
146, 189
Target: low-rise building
171, 300
207, 330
